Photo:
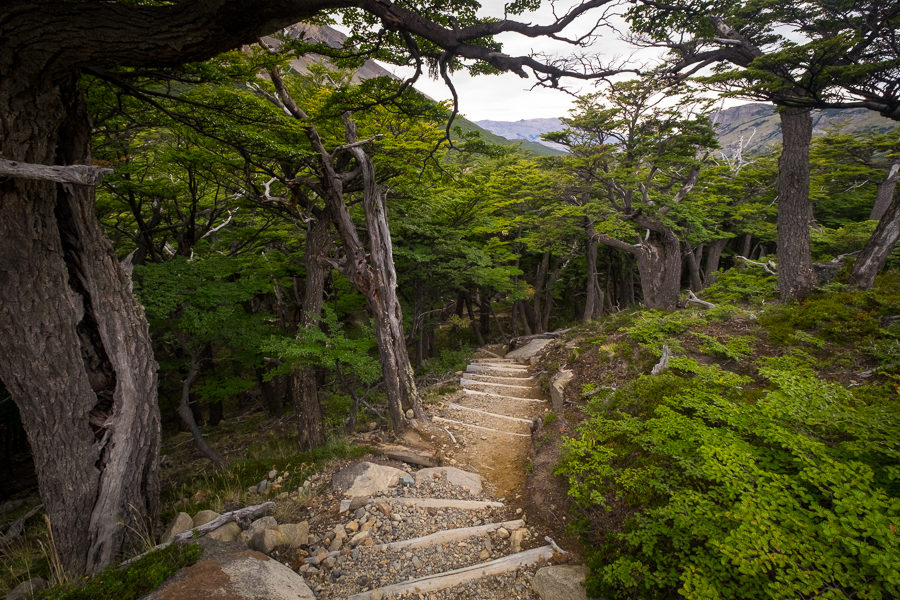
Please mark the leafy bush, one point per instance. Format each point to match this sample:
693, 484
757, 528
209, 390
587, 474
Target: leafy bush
793, 494
742, 284
652, 328
134, 581
734, 348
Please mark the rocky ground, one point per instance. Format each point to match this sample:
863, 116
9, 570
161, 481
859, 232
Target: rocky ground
458, 531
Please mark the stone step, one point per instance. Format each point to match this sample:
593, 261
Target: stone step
470, 392
496, 360
445, 503
483, 418
448, 579
481, 427
449, 535
504, 389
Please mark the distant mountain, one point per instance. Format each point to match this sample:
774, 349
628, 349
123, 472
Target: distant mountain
758, 126
524, 129
371, 69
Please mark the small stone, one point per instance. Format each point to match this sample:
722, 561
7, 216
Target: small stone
359, 538
484, 555
515, 540
376, 595
352, 526
266, 541
263, 486
297, 534
503, 533
410, 414
407, 481
27, 589
518, 511
372, 426
272, 474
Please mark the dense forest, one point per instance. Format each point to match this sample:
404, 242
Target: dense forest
197, 222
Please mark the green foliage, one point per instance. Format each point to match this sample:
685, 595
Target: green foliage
732, 348
740, 285
448, 360
327, 346
652, 328
836, 315
788, 496
134, 581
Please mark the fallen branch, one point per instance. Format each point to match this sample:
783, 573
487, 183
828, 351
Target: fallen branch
769, 266
79, 174
413, 456
663, 361
703, 303
18, 526
245, 515
452, 437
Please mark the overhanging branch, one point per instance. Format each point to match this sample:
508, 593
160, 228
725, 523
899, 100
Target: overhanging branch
77, 174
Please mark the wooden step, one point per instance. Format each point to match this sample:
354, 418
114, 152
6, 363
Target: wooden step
480, 427
502, 396
519, 391
449, 535
501, 379
440, 581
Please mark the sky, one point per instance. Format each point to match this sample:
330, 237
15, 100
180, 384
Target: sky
507, 97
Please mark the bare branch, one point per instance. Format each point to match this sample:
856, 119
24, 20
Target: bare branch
77, 174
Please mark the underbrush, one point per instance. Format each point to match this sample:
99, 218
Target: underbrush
740, 471
131, 582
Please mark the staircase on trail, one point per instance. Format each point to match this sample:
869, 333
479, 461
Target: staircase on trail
438, 535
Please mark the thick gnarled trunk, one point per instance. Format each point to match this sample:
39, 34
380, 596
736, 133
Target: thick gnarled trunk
77, 358
796, 278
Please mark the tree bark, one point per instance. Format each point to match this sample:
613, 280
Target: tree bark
713, 258
593, 306
540, 280
885, 192
796, 278
658, 258
77, 358
304, 391
878, 247
187, 415
693, 264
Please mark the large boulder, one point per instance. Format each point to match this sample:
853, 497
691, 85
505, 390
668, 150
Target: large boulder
558, 389
228, 532
457, 477
532, 348
231, 573
366, 479
27, 589
560, 582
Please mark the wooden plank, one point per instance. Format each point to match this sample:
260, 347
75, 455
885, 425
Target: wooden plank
455, 406
479, 427
480, 393
449, 535
445, 503
440, 581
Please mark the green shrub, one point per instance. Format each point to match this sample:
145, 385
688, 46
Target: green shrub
653, 328
733, 348
742, 284
134, 581
793, 494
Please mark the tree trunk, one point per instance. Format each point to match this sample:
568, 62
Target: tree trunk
659, 266
796, 278
187, 415
693, 264
713, 257
540, 280
77, 358
878, 247
472, 322
304, 391
658, 258
593, 307
885, 193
